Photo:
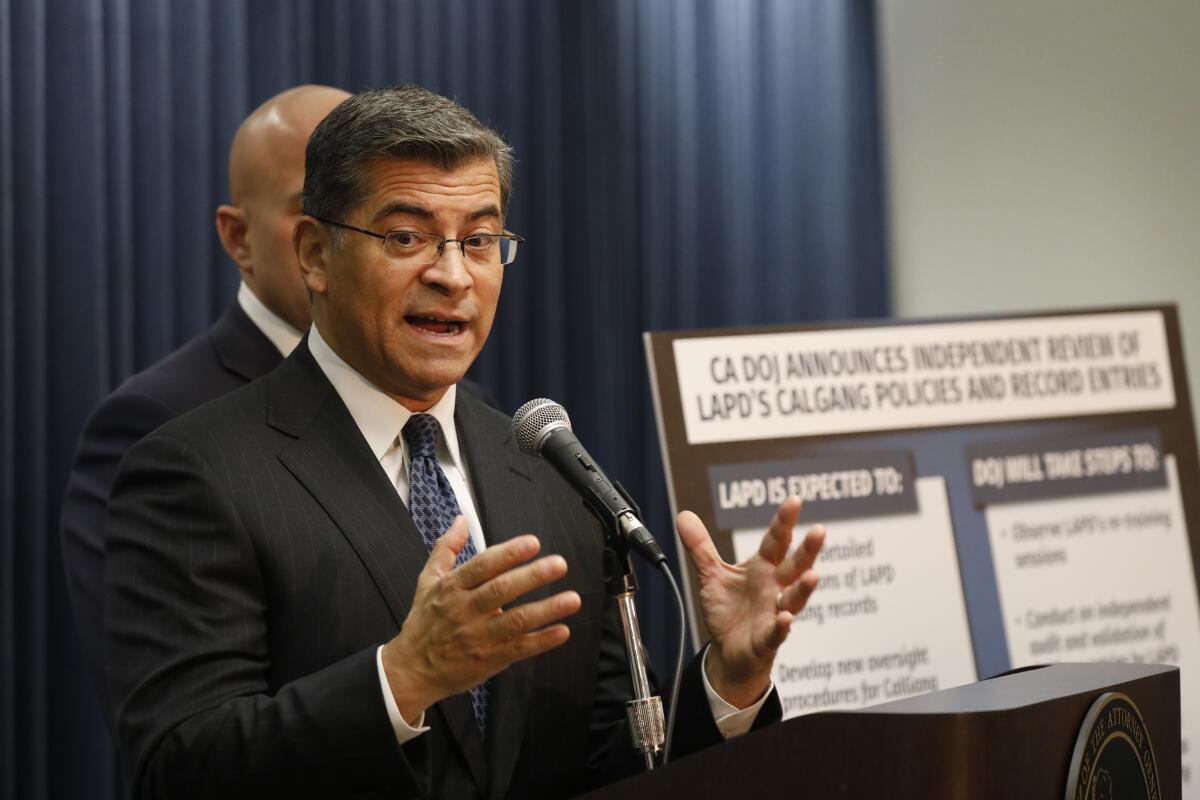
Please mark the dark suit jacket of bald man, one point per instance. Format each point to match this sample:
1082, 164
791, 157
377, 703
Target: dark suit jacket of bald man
257, 557
227, 356
230, 354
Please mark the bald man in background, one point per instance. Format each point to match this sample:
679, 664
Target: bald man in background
264, 324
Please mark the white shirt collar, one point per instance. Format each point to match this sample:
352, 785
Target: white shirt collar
379, 417
274, 327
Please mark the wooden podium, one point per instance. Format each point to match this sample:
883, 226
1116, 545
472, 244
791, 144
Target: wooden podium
1008, 737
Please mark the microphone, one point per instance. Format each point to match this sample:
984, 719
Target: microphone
542, 428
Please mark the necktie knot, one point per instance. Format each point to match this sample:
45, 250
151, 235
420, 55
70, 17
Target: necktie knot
421, 435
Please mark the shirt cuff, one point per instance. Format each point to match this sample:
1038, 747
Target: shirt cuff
404, 731
731, 720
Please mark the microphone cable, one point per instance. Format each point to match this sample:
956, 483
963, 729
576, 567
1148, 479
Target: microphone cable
666, 571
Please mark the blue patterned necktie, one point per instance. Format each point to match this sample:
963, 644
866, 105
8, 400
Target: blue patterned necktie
433, 507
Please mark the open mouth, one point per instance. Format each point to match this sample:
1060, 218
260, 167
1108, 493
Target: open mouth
436, 325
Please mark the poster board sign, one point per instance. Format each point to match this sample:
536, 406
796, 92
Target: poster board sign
997, 492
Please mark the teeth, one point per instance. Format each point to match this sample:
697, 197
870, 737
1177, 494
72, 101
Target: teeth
444, 326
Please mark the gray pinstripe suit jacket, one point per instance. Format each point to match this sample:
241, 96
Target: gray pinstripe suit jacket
225, 357
256, 557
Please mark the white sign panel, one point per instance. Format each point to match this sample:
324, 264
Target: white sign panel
888, 620
811, 383
1103, 578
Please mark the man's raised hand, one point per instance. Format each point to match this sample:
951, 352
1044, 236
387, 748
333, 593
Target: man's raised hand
459, 633
748, 608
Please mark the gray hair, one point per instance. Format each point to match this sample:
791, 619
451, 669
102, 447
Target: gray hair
393, 122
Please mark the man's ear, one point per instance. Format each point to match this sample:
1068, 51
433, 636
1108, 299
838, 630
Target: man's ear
314, 252
231, 228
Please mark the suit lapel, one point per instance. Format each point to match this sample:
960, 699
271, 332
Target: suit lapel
241, 347
331, 459
502, 486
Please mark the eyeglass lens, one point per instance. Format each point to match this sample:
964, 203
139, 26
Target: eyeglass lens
426, 248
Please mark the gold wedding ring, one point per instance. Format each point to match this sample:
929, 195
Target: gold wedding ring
779, 602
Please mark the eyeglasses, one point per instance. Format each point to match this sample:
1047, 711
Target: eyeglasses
419, 249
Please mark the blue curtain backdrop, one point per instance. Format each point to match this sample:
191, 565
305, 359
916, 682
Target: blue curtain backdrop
681, 164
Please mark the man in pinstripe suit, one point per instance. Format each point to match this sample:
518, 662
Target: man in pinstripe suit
276, 621
261, 326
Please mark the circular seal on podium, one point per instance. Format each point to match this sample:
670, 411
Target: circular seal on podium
1113, 757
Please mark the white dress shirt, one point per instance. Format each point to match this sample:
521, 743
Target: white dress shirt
381, 419
274, 327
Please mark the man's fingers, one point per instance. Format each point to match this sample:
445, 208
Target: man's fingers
495, 560
448, 546
783, 626
778, 538
531, 616
534, 644
796, 596
695, 538
804, 556
508, 586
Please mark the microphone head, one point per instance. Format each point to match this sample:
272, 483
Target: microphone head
536, 420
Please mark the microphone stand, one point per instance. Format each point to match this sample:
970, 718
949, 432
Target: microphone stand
644, 711
541, 427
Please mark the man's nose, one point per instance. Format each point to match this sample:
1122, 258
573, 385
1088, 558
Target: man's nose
450, 271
